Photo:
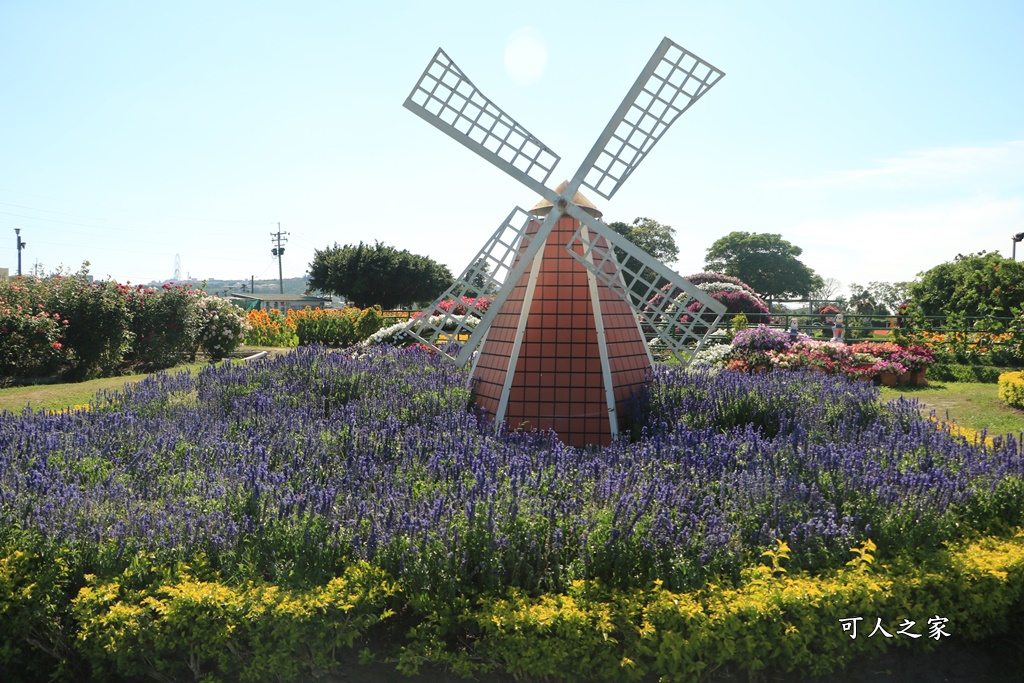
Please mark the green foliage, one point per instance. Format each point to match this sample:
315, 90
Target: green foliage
958, 372
972, 285
335, 328
35, 625
29, 342
183, 622
766, 262
770, 620
656, 239
377, 275
166, 325
98, 333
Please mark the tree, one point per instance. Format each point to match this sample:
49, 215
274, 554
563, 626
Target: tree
886, 297
656, 239
827, 291
766, 262
972, 285
377, 275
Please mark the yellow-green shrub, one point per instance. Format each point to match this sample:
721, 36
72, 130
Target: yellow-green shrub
191, 629
1011, 389
771, 620
34, 623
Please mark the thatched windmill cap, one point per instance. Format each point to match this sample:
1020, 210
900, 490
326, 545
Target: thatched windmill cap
543, 207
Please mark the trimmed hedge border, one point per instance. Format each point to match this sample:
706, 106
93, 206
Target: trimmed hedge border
186, 623
956, 372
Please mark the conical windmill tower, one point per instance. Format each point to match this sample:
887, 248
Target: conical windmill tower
566, 338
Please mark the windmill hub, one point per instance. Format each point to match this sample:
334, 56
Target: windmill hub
567, 338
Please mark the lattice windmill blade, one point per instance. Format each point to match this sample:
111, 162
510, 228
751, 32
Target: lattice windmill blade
446, 99
496, 268
681, 321
669, 85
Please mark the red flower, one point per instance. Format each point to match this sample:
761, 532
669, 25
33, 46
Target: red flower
56, 345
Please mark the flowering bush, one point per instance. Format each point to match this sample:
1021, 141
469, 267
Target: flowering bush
223, 327
166, 324
98, 334
29, 343
737, 297
761, 338
762, 346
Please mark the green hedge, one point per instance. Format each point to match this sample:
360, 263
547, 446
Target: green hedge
186, 623
956, 372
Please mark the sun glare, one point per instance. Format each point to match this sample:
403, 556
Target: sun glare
525, 55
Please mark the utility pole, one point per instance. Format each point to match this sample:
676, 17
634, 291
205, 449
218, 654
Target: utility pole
278, 251
21, 245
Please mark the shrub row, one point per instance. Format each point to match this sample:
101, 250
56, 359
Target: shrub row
79, 329
325, 327
186, 623
959, 372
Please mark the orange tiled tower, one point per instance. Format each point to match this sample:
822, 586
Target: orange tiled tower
555, 375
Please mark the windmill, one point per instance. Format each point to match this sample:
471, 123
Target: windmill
567, 337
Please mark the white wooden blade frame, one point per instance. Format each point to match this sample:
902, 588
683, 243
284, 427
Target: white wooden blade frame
446, 99
495, 270
660, 317
669, 85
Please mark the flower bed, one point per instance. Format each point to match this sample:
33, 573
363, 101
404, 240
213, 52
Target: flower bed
762, 347
315, 466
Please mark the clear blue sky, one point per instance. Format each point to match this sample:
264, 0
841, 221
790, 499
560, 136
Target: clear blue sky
881, 137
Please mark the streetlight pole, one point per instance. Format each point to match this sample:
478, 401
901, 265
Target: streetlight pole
21, 245
1016, 238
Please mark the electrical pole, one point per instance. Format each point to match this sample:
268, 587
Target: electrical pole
278, 251
21, 245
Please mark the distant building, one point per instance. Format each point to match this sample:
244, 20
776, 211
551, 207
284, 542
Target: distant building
282, 302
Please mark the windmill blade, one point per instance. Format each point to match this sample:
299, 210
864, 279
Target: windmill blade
446, 99
681, 319
494, 271
669, 85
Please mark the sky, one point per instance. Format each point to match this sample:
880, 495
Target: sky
882, 138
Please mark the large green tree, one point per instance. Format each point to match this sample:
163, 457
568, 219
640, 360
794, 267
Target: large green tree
377, 274
971, 285
765, 261
655, 238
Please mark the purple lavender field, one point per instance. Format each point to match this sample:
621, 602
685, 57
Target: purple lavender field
288, 469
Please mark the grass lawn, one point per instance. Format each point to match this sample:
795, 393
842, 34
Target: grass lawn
969, 404
62, 396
